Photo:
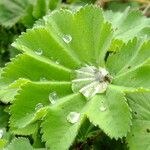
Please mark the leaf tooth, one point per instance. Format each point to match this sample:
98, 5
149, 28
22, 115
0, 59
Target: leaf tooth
90, 6
7, 66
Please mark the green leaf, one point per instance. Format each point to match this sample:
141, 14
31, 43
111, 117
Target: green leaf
138, 78
95, 42
8, 92
128, 24
28, 66
58, 132
16, 144
42, 40
3, 117
39, 9
139, 137
128, 57
54, 4
111, 113
121, 6
25, 11
35, 98
28, 130
25, 68
3, 143
40, 80
9, 12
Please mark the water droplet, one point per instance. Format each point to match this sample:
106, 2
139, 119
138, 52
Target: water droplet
53, 97
1, 133
38, 106
91, 80
73, 117
57, 62
39, 52
43, 79
102, 108
67, 38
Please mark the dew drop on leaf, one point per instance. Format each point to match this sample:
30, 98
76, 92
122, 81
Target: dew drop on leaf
39, 52
102, 108
91, 80
42, 79
1, 133
53, 97
38, 106
57, 62
67, 38
73, 117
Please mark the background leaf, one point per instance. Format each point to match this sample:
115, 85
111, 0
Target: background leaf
19, 143
128, 24
139, 137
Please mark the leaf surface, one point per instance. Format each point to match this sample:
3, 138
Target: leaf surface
58, 132
96, 33
129, 57
34, 97
138, 78
25, 11
51, 51
19, 143
9, 12
111, 113
139, 137
128, 24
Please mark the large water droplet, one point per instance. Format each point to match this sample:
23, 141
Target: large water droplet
91, 80
73, 117
53, 97
38, 106
1, 133
39, 52
67, 38
102, 108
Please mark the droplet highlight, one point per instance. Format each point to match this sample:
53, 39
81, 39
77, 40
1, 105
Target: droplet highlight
1, 133
57, 62
91, 80
38, 106
67, 38
73, 117
53, 97
102, 108
42, 79
39, 52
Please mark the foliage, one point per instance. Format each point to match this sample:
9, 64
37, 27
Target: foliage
139, 137
25, 11
129, 24
15, 17
54, 84
6, 38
